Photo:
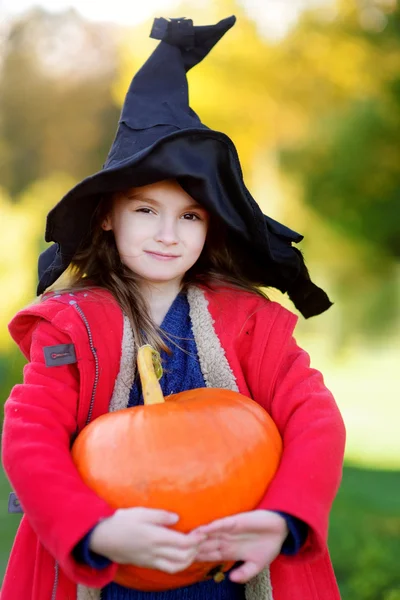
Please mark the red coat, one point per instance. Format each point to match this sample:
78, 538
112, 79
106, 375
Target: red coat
43, 413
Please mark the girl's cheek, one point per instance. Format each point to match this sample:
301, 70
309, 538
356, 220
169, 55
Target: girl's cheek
194, 228
133, 226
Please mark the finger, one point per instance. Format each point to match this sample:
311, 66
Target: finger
209, 556
159, 517
234, 540
168, 566
176, 539
197, 537
209, 551
228, 537
245, 572
175, 555
219, 526
163, 536
218, 550
209, 545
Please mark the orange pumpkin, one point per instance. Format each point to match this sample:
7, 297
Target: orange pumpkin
203, 454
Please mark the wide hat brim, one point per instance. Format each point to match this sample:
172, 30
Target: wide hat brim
206, 165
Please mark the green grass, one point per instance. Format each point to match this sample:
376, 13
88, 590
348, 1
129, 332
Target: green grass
364, 533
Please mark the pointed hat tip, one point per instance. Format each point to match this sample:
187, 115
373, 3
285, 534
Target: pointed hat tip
231, 19
229, 22
181, 31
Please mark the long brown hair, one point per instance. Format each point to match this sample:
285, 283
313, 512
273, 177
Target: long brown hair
97, 264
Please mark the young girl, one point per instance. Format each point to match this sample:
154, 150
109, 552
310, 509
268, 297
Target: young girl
166, 246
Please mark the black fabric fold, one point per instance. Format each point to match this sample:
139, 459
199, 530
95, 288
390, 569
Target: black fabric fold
160, 137
51, 266
195, 42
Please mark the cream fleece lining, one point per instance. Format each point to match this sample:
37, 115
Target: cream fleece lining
216, 372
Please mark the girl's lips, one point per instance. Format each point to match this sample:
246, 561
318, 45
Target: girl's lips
159, 256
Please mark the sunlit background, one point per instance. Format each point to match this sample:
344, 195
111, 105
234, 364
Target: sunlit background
309, 90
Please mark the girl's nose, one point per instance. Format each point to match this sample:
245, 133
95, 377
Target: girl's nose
167, 232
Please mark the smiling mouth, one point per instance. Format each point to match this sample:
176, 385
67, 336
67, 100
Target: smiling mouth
160, 256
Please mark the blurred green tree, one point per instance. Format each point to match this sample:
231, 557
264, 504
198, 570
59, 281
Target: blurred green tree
345, 155
56, 110
349, 163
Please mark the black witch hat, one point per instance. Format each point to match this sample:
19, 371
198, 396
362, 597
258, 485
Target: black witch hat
160, 137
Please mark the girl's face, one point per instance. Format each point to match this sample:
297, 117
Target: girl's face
159, 230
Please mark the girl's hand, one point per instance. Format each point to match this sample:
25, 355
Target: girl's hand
254, 537
141, 537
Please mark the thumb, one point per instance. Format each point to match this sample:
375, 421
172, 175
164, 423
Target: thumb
245, 572
160, 517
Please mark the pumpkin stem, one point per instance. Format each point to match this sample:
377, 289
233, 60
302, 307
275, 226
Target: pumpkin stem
150, 371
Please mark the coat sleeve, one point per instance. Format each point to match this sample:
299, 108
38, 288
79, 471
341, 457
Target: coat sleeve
313, 436
40, 419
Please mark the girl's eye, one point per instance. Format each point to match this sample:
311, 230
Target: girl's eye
147, 211
191, 217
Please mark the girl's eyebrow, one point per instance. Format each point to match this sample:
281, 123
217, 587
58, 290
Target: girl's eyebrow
195, 206
136, 196
139, 197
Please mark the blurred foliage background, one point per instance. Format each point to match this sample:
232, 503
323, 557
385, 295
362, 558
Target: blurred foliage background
315, 114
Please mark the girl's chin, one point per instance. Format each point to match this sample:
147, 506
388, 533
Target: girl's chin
162, 273
164, 277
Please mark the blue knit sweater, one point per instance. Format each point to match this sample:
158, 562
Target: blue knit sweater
181, 372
